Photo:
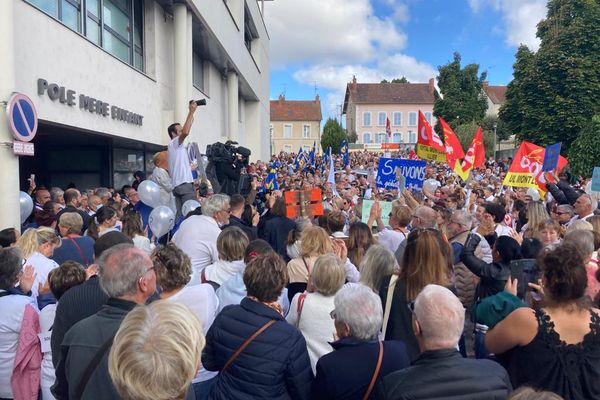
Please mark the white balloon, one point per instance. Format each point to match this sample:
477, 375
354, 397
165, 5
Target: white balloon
431, 185
149, 193
189, 206
25, 205
161, 220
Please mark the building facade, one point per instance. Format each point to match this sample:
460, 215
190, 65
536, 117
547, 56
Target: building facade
107, 77
295, 124
495, 96
367, 107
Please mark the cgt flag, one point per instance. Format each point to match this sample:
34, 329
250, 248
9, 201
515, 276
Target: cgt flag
388, 129
454, 151
474, 158
429, 144
526, 168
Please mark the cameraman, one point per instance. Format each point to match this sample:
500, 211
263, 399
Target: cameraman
179, 162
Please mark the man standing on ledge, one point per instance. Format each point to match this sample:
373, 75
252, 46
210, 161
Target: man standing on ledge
179, 163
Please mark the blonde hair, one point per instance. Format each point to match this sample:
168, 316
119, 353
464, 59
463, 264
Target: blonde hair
232, 243
315, 242
71, 221
401, 215
32, 239
156, 352
328, 274
377, 263
536, 214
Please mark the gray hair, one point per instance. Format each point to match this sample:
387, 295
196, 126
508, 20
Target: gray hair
55, 193
102, 192
592, 202
441, 316
10, 265
377, 263
214, 204
427, 215
583, 240
120, 268
360, 308
464, 218
566, 208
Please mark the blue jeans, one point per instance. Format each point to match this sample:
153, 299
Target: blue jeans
480, 350
203, 389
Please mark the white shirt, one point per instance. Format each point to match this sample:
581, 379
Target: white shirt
179, 163
13, 310
197, 237
315, 324
221, 270
143, 243
391, 239
42, 265
48, 375
503, 230
203, 302
233, 290
577, 218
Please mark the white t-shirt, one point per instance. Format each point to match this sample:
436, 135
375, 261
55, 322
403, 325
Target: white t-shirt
391, 239
203, 302
48, 375
179, 163
42, 265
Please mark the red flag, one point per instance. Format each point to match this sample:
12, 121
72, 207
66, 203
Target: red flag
475, 156
412, 155
454, 150
429, 144
388, 128
526, 168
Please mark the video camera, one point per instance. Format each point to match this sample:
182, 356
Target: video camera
227, 152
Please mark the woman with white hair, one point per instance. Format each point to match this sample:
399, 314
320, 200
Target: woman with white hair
377, 263
156, 352
359, 359
310, 311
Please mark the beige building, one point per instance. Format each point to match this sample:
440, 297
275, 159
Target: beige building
495, 96
295, 124
367, 107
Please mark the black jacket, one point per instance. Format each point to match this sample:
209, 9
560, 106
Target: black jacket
276, 233
345, 373
563, 192
493, 276
273, 366
249, 230
445, 374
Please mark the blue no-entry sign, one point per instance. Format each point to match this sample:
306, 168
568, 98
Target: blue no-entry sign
22, 117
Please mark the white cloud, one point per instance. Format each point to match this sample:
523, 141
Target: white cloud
333, 78
520, 18
317, 31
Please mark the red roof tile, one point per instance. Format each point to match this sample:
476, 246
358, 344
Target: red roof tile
295, 110
497, 94
393, 93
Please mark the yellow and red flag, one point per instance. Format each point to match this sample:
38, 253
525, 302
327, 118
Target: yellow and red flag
474, 158
526, 168
429, 144
454, 151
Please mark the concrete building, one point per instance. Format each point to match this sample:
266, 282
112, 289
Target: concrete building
295, 124
367, 106
108, 76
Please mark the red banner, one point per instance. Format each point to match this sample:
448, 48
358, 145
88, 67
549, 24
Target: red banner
526, 168
429, 144
454, 150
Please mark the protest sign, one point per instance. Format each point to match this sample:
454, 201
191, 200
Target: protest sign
386, 209
551, 157
412, 170
596, 179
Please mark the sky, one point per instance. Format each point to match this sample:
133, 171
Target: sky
322, 43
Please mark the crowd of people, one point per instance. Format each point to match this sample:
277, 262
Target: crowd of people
474, 290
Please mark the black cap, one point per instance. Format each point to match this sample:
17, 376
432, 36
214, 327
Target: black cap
109, 240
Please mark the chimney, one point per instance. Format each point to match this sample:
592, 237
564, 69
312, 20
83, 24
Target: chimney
486, 84
432, 85
353, 84
317, 99
281, 98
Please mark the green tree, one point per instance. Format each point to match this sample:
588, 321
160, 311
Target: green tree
556, 91
466, 132
490, 121
396, 80
584, 153
333, 135
464, 100
352, 137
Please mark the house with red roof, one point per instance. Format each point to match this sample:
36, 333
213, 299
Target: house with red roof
295, 124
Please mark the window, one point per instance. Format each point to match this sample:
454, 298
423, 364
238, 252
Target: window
381, 116
366, 137
250, 31
271, 130
198, 72
397, 137
398, 118
287, 148
412, 137
115, 25
287, 131
412, 118
380, 137
428, 116
367, 119
306, 131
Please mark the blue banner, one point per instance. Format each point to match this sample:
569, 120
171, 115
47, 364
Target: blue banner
413, 172
551, 157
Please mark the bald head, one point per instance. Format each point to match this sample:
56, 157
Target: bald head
424, 217
121, 269
440, 318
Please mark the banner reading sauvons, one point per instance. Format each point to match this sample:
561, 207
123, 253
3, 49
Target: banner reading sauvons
526, 168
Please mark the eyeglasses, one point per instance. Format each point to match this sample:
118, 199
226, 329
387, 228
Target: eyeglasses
332, 314
411, 307
145, 272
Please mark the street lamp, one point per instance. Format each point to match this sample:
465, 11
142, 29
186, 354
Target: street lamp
495, 143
